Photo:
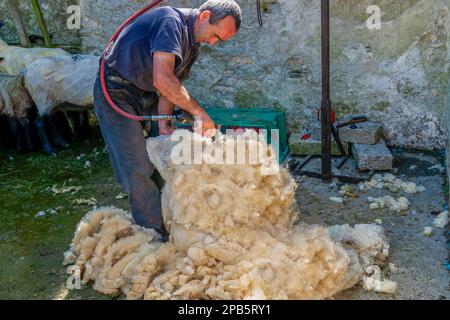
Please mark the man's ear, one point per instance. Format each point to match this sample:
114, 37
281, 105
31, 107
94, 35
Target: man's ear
205, 15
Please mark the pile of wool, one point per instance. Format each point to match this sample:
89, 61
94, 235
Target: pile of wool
401, 204
441, 220
374, 282
347, 191
390, 182
233, 233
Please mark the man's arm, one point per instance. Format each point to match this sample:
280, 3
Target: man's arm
165, 107
170, 87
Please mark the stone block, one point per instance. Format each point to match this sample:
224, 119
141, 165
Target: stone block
311, 146
376, 157
363, 133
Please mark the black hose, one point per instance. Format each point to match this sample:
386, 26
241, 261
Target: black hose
258, 10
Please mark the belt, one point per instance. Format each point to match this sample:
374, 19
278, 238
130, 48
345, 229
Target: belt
129, 86
113, 76
118, 79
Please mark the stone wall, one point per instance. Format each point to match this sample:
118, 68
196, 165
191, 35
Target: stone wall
55, 15
398, 74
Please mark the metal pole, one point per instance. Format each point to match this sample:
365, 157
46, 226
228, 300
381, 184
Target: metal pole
325, 107
41, 22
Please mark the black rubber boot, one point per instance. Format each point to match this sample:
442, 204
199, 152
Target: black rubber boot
55, 136
40, 127
17, 135
25, 124
84, 129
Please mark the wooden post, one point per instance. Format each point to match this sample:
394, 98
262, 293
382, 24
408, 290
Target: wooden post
41, 23
18, 23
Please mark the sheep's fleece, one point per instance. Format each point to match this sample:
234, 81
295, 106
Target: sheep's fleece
14, 99
232, 237
52, 81
14, 59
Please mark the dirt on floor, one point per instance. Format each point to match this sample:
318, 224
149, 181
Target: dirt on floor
421, 261
43, 198
37, 224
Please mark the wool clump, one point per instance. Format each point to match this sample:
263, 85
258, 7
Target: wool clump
234, 234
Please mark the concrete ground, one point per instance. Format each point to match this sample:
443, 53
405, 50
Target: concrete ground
421, 260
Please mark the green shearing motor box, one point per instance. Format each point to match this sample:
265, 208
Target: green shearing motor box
252, 118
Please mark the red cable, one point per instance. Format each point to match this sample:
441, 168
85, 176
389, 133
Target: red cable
102, 65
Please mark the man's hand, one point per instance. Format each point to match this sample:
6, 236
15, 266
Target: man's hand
165, 107
204, 125
164, 127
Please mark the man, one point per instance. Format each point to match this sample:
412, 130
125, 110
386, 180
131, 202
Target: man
144, 68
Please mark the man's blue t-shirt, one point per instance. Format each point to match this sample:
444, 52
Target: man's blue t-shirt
163, 29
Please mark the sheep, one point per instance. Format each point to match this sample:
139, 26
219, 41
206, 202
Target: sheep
14, 59
14, 104
60, 82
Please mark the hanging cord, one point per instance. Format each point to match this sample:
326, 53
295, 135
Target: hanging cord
258, 10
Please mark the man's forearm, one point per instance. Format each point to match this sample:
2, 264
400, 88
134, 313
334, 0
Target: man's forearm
171, 88
165, 106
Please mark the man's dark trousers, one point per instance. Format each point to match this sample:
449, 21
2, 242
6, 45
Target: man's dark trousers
126, 146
